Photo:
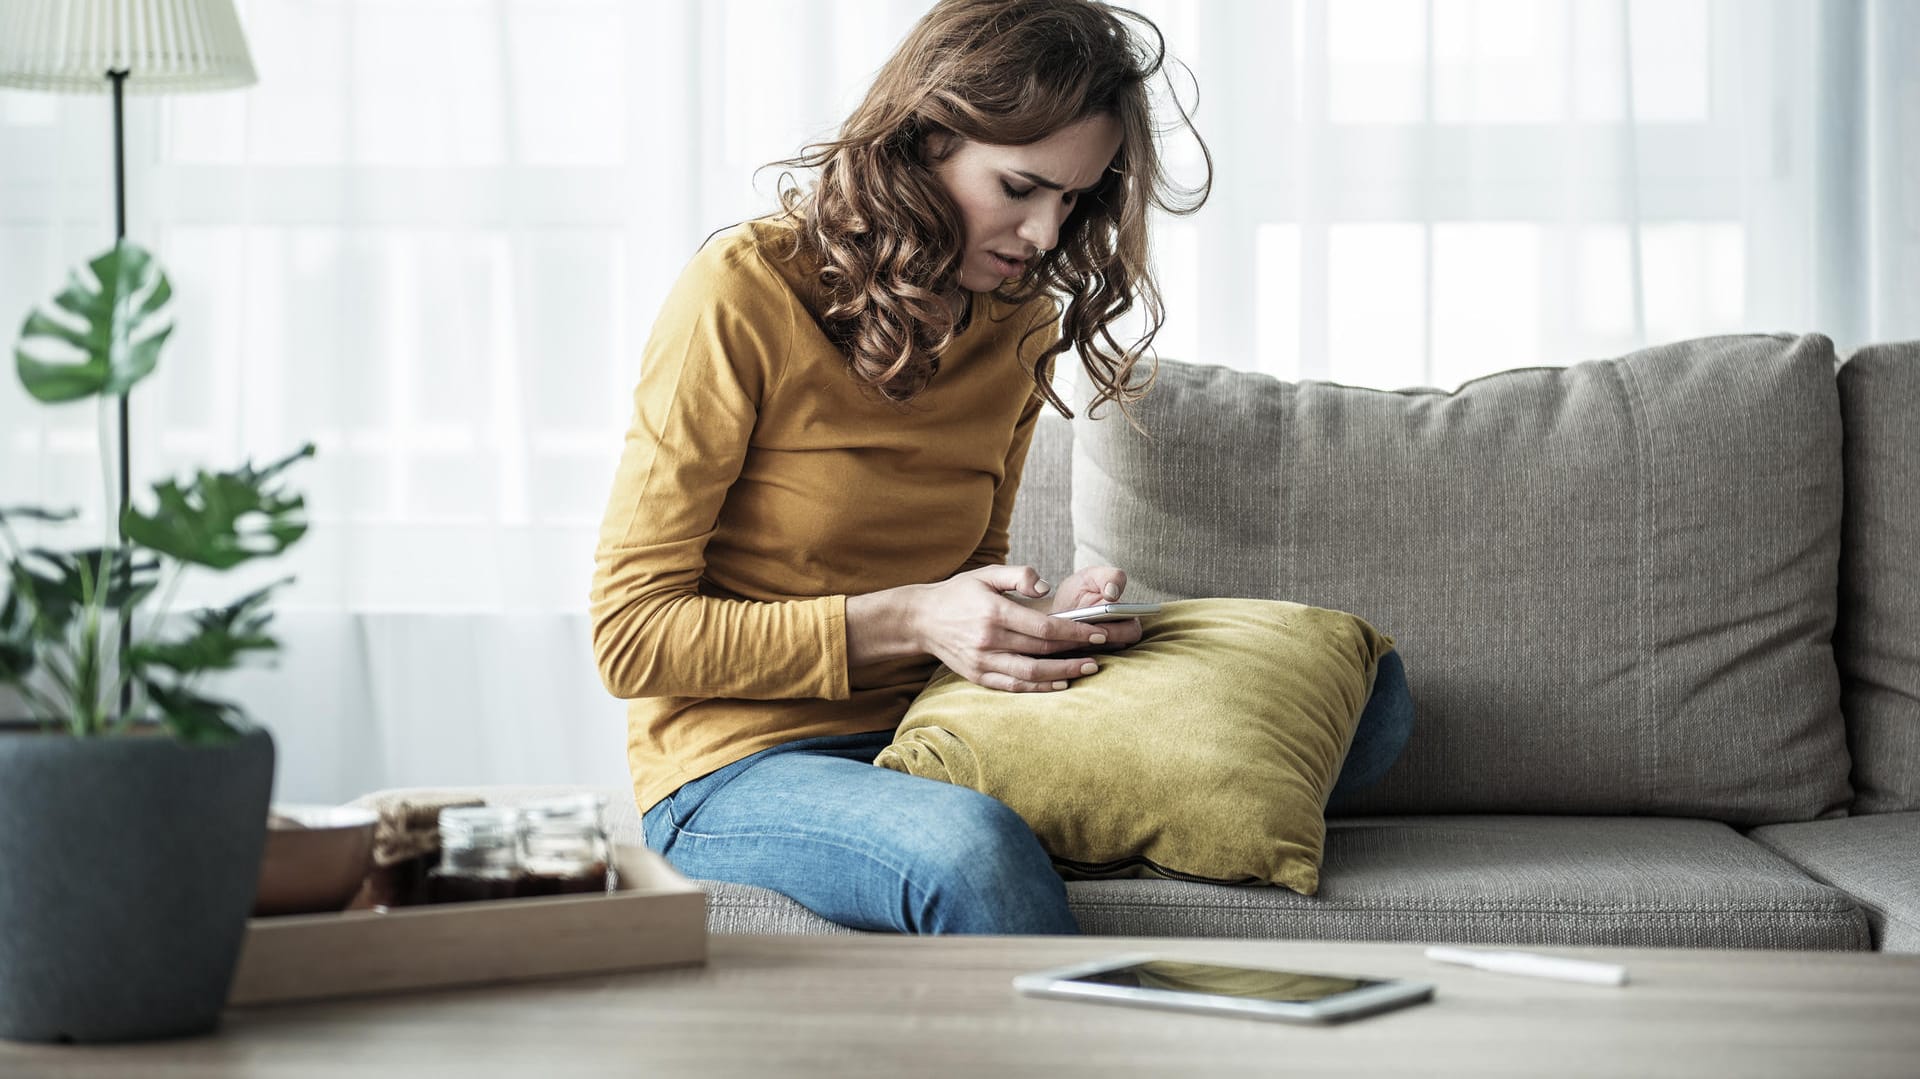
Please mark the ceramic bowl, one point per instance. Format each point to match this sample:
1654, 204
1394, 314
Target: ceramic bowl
316, 858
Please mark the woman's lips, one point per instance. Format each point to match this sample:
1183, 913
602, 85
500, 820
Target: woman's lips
1013, 267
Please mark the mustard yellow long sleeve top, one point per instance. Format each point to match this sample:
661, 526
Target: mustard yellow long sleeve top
759, 487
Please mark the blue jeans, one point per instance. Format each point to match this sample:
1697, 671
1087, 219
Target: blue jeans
1384, 728
866, 847
876, 849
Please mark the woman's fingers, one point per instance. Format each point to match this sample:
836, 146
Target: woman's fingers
1034, 633
1058, 632
1109, 580
1085, 635
1086, 587
1119, 635
1011, 578
1024, 663
1030, 674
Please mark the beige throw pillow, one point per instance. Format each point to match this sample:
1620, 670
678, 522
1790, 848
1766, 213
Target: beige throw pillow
1204, 752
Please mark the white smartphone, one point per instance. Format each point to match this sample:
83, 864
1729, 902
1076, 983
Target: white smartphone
1251, 992
1109, 612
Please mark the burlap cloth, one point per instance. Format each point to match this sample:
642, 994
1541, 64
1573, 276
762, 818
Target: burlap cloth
406, 845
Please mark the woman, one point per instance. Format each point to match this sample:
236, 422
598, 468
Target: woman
833, 411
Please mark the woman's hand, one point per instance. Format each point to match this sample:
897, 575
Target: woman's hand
994, 641
1086, 587
1098, 584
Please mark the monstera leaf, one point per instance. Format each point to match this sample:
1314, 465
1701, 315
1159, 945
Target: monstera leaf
222, 519
35, 513
221, 635
194, 718
115, 327
58, 585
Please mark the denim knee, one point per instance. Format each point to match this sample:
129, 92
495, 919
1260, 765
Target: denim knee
983, 872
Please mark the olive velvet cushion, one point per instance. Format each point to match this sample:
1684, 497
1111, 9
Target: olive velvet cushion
1204, 752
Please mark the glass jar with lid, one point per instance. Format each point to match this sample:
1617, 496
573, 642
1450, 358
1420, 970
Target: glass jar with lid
480, 855
566, 848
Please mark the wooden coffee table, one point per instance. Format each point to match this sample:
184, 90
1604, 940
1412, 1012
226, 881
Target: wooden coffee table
898, 1006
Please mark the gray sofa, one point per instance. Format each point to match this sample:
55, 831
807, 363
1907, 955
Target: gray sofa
1661, 620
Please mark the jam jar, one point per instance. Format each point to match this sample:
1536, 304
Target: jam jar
406, 847
565, 845
480, 855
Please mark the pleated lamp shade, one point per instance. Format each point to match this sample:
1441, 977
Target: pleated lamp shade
164, 46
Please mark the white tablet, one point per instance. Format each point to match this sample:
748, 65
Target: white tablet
1252, 992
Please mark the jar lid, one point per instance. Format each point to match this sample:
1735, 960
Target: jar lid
569, 808
410, 824
466, 824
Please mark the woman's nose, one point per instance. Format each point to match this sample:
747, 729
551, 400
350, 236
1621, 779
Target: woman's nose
1042, 229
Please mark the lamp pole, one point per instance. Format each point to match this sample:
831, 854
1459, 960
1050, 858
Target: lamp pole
119, 236
119, 77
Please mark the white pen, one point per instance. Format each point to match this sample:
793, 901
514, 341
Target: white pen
1537, 966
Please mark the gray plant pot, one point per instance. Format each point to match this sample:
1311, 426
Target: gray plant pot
127, 871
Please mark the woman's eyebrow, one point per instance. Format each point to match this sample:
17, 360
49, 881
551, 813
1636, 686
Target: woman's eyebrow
1044, 182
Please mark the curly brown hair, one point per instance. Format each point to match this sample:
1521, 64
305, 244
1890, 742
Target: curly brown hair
888, 238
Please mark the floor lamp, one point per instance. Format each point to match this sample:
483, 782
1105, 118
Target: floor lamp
122, 47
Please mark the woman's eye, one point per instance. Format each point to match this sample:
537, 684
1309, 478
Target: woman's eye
1012, 194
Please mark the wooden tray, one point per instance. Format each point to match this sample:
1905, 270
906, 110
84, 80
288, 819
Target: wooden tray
655, 918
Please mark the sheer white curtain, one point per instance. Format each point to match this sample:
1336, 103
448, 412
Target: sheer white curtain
433, 238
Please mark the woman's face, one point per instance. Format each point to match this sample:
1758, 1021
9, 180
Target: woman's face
1014, 199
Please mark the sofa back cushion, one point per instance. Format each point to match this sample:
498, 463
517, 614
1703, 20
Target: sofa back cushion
1041, 532
1877, 641
1613, 584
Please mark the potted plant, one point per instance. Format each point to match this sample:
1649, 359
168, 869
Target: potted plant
133, 806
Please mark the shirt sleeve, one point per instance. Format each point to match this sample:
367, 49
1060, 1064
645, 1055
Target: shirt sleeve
996, 542
715, 351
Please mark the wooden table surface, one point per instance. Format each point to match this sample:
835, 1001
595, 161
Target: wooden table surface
899, 1006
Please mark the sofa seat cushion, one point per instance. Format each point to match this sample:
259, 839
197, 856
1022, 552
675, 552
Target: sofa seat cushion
1634, 881
1875, 859
1619, 881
